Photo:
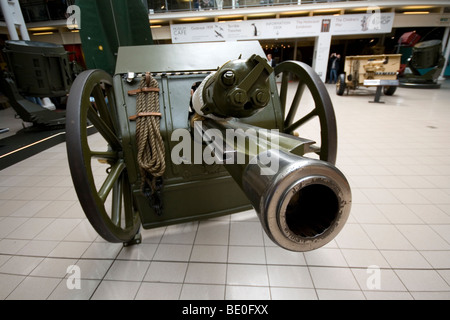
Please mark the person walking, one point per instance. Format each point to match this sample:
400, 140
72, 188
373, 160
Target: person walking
335, 59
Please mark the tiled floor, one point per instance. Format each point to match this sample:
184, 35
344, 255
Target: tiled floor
396, 244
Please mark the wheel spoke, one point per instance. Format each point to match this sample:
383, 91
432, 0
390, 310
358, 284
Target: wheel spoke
314, 149
295, 104
283, 90
107, 155
116, 206
110, 180
302, 121
128, 199
101, 105
103, 128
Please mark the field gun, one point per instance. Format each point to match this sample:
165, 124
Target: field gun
183, 139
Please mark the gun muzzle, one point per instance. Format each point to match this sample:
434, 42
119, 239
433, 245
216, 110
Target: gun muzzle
302, 203
302, 206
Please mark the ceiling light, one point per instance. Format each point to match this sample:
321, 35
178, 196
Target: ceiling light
42, 33
416, 12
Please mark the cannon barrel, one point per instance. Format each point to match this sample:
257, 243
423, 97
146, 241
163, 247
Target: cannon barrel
302, 203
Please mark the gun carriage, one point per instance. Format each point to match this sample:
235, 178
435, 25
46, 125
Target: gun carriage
167, 104
372, 70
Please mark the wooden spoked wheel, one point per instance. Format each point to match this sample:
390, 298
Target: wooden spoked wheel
317, 107
96, 161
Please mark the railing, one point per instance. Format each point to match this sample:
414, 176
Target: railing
44, 10
159, 6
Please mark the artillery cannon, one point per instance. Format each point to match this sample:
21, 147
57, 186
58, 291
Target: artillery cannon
379, 70
182, 140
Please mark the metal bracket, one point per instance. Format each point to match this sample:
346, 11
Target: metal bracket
136, 240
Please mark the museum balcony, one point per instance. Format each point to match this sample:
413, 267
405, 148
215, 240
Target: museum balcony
39, 13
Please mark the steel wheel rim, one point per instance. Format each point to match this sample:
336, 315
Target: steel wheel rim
323, 108
123, 222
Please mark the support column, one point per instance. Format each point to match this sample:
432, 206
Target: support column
14, 18
295, 49
321, 55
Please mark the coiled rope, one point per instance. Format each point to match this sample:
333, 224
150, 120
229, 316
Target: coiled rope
151, 152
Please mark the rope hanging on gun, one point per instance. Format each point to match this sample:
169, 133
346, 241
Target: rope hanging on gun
151, 153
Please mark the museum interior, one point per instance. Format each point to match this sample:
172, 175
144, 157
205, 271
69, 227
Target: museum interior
224, 150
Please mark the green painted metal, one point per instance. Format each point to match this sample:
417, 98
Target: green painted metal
107, 25
240, 88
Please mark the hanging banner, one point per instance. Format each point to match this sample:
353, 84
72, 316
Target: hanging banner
283, 28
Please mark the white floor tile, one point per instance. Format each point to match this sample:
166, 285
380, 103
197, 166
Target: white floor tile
208, 253
325, 257
244, 254
91, 269
166, 272
377, 279
158, 291
8, 283
206, 273
444, 295
34, 288
67, 249
180, 234
289, 276
100, 250
423, 237
12, 246
247, 293
38, 248
324, 294
20, 265
213, 232
387, 237
367, 213
53, 268
399, 214
246, 234
333, 278
9, 224
406, 259
116, 290
352, 236
127, 270
387, 295
292, 294
173, 252
202, 292
364, 258
144, 251
430, 214
58, 229
438, 259
62, 291
241, 274
277, 255
422, 280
